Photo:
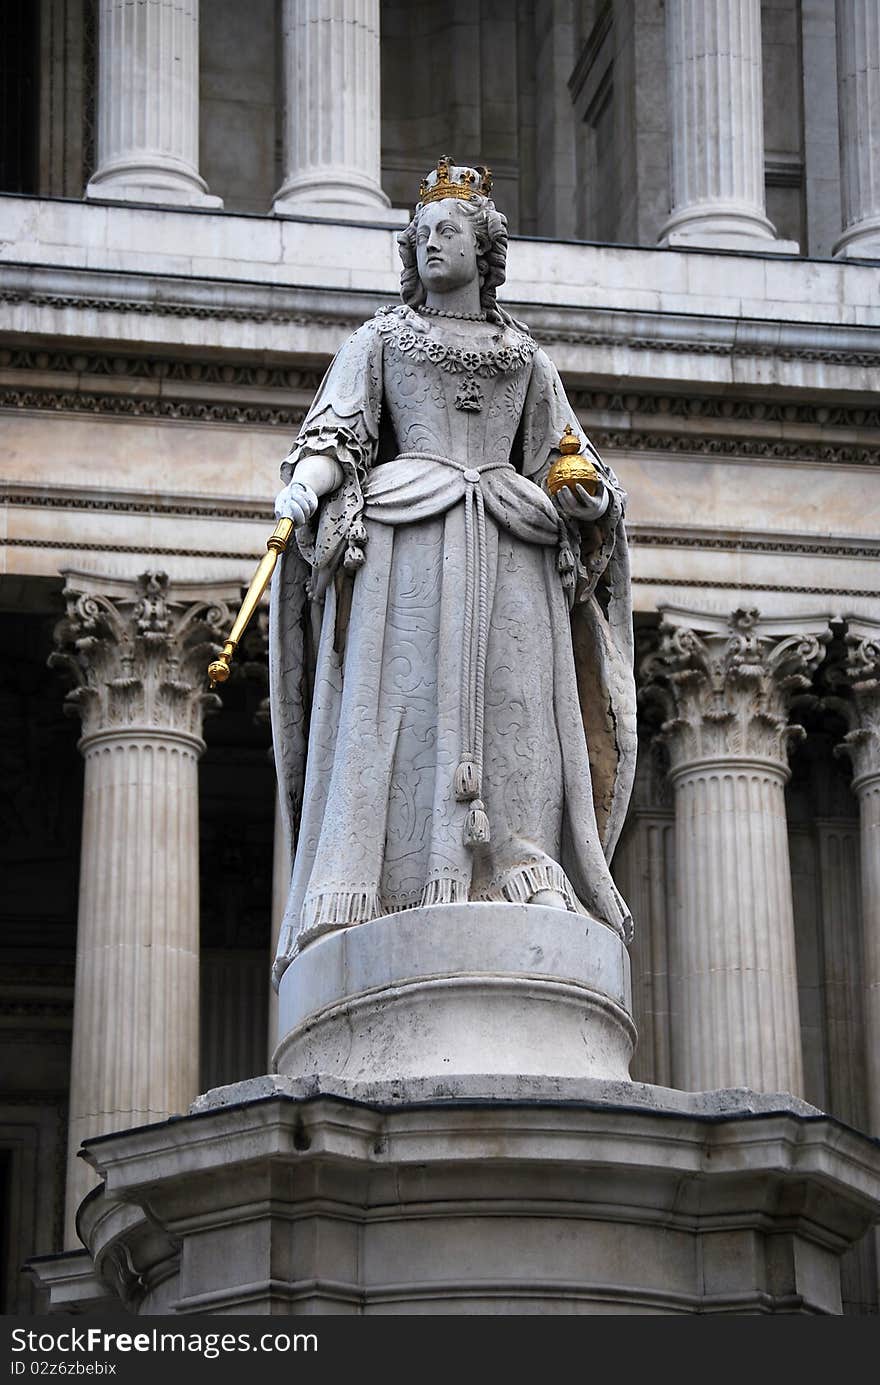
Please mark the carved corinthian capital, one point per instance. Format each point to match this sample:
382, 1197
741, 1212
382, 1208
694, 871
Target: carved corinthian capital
137, 653
861, 671
723, 684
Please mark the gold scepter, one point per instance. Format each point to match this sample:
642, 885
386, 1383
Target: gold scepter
277, 542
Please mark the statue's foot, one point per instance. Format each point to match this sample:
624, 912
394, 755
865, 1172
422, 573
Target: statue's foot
551, 899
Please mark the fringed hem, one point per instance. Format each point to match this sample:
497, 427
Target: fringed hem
444, 892
337, 909
521, 884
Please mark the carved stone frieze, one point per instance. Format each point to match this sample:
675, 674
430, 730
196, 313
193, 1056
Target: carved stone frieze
723, 685
137, 654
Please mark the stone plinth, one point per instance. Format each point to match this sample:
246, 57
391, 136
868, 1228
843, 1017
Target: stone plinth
284, 1198
462, 990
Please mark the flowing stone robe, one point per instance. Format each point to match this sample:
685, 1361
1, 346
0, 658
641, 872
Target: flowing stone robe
451, 661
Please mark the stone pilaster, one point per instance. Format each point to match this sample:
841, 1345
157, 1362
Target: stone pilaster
137, 654
862, 744
332, 147
716, 116
858, 95
148, 104
724, 685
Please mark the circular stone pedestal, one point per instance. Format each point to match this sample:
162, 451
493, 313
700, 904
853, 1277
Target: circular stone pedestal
459, 991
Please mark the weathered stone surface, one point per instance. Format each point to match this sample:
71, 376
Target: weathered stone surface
459, 993
313, 1204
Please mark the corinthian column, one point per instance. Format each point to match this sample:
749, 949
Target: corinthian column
725, 685
138, 656
148, 104
858, 97
862, 744
713, 50
332, 149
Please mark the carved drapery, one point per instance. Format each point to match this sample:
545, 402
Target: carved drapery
723, 687
137, 654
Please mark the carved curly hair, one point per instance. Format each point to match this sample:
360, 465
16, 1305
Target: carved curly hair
490, 232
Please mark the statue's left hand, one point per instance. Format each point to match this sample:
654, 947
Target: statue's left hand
583, 506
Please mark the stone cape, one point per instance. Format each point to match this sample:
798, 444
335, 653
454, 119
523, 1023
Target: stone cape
451, 668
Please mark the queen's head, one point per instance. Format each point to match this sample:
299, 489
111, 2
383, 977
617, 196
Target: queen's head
465, 193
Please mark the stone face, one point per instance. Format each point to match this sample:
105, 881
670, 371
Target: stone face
137, 656
311, 1204
724, 687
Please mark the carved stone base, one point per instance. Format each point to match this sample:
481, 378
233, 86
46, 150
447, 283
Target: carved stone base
592, 1197
460, 990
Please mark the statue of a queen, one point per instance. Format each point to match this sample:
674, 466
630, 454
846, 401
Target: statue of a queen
453, 701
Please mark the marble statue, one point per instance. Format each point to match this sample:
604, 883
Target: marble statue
451, 647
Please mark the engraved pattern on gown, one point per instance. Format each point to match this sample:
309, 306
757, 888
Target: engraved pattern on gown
377, 822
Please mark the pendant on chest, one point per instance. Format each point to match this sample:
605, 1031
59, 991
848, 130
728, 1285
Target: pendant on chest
469, 396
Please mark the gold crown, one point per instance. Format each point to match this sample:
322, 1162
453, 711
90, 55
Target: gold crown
464, 187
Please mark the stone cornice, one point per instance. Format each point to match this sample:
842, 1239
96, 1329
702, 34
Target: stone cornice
640, 535
235, 300
36, 369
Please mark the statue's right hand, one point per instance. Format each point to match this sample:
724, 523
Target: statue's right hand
297, 502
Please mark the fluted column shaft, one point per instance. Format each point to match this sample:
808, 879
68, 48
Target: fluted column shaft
724, 686
716, 121
867, 788
135, 1034
736, 1000
148, 103
138, 658
332, 147
858, 95
863, 747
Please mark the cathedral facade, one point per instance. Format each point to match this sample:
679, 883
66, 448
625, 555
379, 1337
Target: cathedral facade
198, 204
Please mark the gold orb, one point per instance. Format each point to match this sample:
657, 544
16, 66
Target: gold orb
571, 468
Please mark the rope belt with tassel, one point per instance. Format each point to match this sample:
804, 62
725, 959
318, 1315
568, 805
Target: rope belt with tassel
468, 778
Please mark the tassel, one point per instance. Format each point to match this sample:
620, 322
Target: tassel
354, 553
466, 784
354, 558
476, 826
565, 560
